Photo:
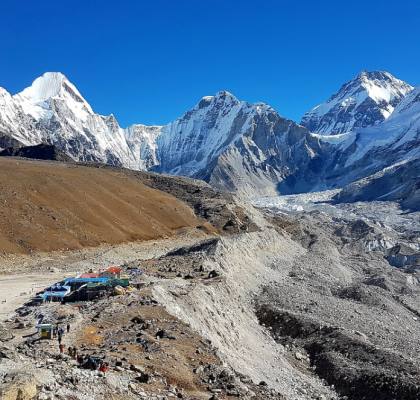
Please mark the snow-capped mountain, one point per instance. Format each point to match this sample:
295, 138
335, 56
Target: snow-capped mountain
379, 162
232, 144
367, 100
53, 111
235, 145
395, 139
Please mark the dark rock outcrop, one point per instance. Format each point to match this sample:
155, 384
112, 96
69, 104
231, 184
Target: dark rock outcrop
39, 152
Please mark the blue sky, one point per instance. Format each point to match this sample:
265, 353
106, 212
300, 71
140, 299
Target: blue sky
150, 61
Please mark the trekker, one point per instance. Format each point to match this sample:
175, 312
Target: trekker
103, 367
61, 347
68, 328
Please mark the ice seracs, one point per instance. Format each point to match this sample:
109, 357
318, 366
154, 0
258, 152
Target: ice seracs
367, 100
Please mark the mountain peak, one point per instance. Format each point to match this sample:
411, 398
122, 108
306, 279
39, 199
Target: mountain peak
222, 96
51, 85
371, 75
366, 100
380, 78
47, 86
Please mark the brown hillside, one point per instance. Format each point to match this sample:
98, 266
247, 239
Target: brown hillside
47, 206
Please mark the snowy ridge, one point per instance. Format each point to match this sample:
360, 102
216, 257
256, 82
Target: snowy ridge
401, 129
367, 100
190, 143
234, 145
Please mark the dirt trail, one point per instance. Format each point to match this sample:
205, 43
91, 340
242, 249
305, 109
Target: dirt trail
17, 289
23, 275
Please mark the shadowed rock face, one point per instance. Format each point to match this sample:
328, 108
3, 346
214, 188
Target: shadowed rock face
40, 152
8, 141
356, 367
400, 183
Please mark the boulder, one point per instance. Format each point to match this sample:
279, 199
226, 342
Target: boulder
19, 386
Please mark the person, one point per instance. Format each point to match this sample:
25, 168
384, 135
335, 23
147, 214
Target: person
90, 363
60, 334
68, 328
70, 351
103, 367
61, 347
75, 352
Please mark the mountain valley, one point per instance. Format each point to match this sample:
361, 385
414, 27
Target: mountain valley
268, 259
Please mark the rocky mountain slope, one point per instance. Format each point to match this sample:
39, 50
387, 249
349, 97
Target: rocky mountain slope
367, 100
399, 182
48, 206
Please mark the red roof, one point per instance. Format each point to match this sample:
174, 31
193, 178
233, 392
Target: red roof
114, 270
89, 275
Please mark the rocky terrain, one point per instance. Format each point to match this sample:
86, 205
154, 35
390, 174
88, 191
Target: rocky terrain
301, 300
397, 183
344, 308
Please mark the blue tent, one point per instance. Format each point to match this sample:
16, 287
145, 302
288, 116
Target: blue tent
56, 292
70, 281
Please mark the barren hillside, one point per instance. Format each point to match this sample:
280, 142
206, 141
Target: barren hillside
47, 206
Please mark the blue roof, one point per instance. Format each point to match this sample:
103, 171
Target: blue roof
56, 291
86, 280
57, 287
